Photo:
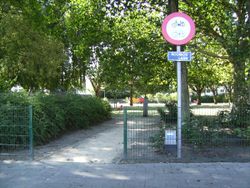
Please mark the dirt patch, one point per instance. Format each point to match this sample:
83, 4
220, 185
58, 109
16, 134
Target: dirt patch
190, 155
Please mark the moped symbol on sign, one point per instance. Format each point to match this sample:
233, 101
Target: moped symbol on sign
179, 56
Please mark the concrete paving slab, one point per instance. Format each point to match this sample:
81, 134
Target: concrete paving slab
14, 174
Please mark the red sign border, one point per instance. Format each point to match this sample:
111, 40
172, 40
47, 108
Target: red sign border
165, 33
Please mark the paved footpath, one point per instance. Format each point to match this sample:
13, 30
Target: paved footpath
75, 175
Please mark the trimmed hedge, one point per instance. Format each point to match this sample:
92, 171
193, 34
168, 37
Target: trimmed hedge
55, 114
209, 99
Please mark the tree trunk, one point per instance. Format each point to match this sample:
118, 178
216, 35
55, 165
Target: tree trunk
199, 97
173, 7
229, 91
131, 95
214, 99
96, 87
214, 91
185, 93
240, 94
83, 77
145, 106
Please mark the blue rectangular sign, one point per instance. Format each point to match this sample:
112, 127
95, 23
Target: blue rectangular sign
179, 56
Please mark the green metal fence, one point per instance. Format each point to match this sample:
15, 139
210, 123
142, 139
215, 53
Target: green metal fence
139, 132
216, 133
16, 134
213, 133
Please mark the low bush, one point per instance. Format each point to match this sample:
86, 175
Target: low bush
115, 94
170, 113
209, 99
226, 128
162, 97
158, 139
240, 116
202, 131
238, 120
243, 133
55, 114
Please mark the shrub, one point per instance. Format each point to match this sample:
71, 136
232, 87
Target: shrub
170, 113
172, 110
243, 133
114, 94
14, 99
226, 128
48, 117
224, 118
12, 129
55, 114
158, 139
202, 131
240, 116
209, 99
234, 125
163, 98
238, 119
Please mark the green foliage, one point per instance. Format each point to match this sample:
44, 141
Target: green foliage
172, 110
224, 118
13, 117
227, 125
169, 114
202, 131
240, 116
48, 117
29, 57
129, 61
14, 99
243, 133
158, 138
55, 114
115, 94
225, 128
119, 45
83, 112
230, 30
209, 99
14, 132
163, 98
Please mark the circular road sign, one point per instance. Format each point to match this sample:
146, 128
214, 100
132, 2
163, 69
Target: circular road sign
178, 28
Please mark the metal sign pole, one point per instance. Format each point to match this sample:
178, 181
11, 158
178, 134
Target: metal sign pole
179, 120
171, 27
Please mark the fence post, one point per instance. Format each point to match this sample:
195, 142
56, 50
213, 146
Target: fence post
31, 151
125, 133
